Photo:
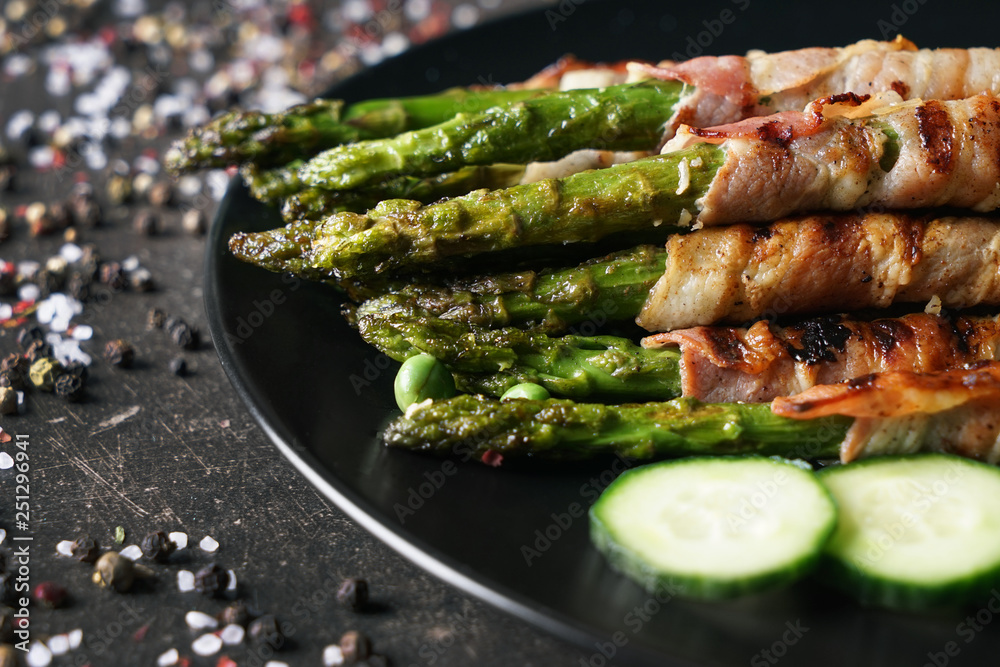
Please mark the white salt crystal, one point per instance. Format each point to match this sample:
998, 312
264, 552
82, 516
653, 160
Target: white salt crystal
168, 658
38, 655
185, 581
6, 462
75, 638
199, 620
209, 544
232, 634
332, 656
65, 548
59, 644
206, 644
180, 540
132, 552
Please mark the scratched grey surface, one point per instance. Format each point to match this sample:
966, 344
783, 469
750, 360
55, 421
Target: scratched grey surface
147, 450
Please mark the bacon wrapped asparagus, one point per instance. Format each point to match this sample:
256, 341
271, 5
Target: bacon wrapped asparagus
892, 413
902, 156
824, 263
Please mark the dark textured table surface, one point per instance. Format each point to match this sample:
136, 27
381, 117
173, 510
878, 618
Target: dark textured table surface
148, 450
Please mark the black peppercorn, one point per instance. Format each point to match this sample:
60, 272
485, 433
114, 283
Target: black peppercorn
70, 387
15, 362
211, 580
353, 593
28, 335
36, 350
178, 366
234, 614
355, 646
78, 369
112, 275
265, 630
78, 286
146, 223
85, 549
157, 546
155, 318
50, 594
119, 353
184, 335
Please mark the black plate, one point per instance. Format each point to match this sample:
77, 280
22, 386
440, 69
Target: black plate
322, 395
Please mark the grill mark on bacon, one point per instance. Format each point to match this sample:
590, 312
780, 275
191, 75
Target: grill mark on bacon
819, 339
937, 136
720, 364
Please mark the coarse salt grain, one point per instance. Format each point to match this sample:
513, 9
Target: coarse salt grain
38, 655
75, 638
332, 656
185, 581
83, 332
275, 663
58, 644
168, 658
65, 548
199, 620
208, 644
132, 552
6, 462
232, 634
232, 580
180, 540
3, 535
208, 544
71, 252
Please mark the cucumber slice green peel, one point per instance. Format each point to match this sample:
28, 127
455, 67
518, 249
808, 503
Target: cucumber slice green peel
914, 532
713, 527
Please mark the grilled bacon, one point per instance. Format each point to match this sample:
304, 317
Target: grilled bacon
765, 361
824, 263
901, 412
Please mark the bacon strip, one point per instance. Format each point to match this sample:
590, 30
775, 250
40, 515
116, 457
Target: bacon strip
907, 155
728, 88
901, 412
755, 365
824, 263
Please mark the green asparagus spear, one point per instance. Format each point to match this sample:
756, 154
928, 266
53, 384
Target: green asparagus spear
280, 185
583, 207
629, 117
304, 130
597, 291
469, 425
316, 203
494, 360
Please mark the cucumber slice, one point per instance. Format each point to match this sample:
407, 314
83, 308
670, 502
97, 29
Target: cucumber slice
915, 531
713, 527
